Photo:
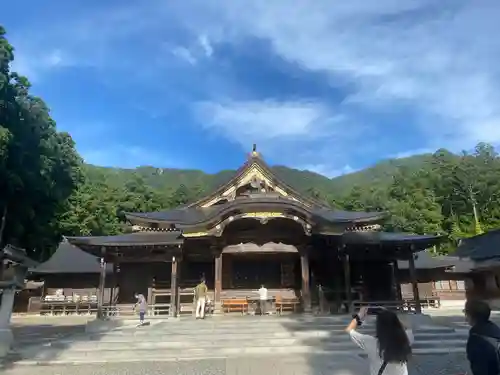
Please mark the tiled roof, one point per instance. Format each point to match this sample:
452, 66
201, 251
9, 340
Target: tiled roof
483, 246
70, 259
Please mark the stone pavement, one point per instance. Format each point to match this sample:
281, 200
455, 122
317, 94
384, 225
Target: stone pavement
174, 339
451, 364
36, 329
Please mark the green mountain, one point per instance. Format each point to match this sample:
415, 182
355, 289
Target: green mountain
305, 181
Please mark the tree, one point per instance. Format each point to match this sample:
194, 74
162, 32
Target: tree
413, 204
39, 168
181, 196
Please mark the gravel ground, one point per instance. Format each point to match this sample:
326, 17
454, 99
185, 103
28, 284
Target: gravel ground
315, 365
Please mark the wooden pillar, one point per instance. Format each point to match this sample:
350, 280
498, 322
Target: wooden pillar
218, 278
306, 286
414, 282
178, 289
397, 282
113, 286
102, 284
173, 288
347, 280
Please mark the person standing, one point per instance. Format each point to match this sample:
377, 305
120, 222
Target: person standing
142, 306
200, 295
263, 300
483, 343
389, 350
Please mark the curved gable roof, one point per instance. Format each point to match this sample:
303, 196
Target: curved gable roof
483, 246
70, 259
255, 159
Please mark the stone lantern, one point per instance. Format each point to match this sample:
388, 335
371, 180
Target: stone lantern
14, 264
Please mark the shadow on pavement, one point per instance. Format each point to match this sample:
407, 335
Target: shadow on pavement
44, 339
356, 362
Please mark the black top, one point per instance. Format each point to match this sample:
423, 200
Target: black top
481, 353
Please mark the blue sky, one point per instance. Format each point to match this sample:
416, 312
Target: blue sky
329, 86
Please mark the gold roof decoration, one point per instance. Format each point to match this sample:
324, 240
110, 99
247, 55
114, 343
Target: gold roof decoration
254, 151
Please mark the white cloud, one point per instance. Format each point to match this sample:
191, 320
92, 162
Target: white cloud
418, 151
265, 121
37, 64
327, 170
54, 58
206, 45
185, 54
440, 60
124, 156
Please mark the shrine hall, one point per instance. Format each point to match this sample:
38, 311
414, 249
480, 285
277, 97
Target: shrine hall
255, 229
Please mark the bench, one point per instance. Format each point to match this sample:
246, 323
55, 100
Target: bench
286, 304
235, 305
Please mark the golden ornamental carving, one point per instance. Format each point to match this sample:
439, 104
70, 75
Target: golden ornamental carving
263, 214
195, 234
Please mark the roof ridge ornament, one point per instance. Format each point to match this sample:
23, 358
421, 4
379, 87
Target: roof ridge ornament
254, 153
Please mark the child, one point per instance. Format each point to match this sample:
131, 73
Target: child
143, 306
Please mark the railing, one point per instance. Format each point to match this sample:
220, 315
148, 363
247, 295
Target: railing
333, 301
64, 308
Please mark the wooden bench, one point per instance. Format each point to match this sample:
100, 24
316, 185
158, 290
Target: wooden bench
235, 305
286, 304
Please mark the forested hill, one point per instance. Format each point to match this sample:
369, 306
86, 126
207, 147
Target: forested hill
304, 181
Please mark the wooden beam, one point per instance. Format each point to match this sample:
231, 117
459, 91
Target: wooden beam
173, 288
306, 282
218, 277
102, 284
414, 282
397, 281
178, 294
347, 280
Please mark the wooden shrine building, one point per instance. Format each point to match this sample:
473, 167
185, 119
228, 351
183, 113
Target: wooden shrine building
256, 230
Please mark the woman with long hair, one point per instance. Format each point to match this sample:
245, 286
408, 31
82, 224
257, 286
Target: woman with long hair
390, 349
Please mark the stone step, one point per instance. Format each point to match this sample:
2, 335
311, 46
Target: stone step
344, 343
58, 357
164, 334
237, 339
248, 336
207, 326
176, 339
245, 320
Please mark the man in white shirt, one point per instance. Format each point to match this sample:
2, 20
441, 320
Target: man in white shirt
263, 300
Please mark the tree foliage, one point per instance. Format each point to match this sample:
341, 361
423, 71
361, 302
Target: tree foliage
39, 167
455, 195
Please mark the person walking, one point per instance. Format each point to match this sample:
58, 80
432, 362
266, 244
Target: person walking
389, 350
483, 343
142, 306
263, 296
200, 295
